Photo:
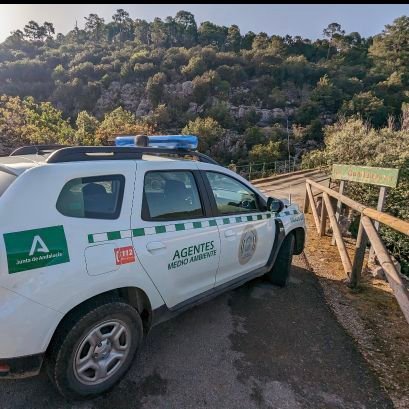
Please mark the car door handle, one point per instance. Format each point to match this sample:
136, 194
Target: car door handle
229, 233
155, 245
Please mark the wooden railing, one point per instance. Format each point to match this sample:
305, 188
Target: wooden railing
366, 234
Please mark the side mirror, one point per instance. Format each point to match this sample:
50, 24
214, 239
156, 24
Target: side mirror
274, 205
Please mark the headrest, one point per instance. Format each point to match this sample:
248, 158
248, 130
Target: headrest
93, 189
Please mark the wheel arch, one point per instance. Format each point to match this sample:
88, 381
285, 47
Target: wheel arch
299, 235
134, 296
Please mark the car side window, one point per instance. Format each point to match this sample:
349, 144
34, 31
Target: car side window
98, 197
171, 195
231, 196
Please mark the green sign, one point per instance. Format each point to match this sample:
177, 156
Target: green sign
36, 248
366, 174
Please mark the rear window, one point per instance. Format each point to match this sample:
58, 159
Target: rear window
98, 197
6, 179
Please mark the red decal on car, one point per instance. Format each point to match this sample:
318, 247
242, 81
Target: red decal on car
124, 255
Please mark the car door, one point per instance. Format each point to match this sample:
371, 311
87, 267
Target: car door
246, 230
174, 236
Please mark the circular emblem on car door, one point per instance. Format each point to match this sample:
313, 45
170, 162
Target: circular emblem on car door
248, 244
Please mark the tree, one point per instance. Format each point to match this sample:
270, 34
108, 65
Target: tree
254, 136
332, 31
160, 118
390, 49
95, 26
48, 29
186, 28
154, 88
59, 73
212, 34
44, 124
196, 66
142, 32
233, 40
314, 132
204, 85
327, 96
277, 46
207, 129
15, 39
221, 113
12, 124
123, 24
87, 126
159, 35
247, 41
120, 122
269, 152
306, 113
33, 31
368, 106
260, 41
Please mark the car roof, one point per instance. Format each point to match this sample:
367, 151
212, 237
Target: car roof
28, 157
16, 165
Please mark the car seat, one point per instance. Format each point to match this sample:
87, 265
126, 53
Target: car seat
176, 195
96, 198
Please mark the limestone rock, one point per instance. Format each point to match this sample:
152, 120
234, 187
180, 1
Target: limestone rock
193, 107
277, 113
187, 88
144, 107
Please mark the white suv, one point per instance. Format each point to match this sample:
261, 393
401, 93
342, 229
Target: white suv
98, 244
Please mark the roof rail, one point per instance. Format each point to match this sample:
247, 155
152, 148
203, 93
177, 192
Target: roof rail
89, 153
36, 149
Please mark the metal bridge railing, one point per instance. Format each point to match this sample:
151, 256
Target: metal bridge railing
256, 170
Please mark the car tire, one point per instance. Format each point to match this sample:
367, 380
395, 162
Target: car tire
280, 271
93, 350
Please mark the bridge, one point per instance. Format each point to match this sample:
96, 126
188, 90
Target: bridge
314, 344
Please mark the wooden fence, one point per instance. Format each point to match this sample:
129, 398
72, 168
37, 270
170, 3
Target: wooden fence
366, 234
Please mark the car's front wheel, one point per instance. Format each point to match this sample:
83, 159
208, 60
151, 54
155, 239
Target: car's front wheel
280, 272
91, 354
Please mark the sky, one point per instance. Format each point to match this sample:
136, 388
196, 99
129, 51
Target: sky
295, 19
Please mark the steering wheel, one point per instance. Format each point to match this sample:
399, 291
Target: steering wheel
246, 204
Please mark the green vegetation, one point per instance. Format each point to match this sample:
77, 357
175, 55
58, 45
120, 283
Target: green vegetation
359, 143
236, 90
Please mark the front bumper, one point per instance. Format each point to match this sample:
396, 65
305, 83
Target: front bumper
22, 367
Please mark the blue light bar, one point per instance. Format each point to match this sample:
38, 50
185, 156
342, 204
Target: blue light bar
161, 141
125, 141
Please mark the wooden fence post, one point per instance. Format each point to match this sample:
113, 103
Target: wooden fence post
381, 203
339, 206
323, 219
346, 262
306, 200
395, 281
361, 243
313, 208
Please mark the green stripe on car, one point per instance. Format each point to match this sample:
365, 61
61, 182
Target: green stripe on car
159, 229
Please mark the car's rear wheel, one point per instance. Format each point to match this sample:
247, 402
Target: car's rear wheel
280, 272
90, 355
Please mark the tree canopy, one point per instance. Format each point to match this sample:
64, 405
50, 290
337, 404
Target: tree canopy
171, 74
